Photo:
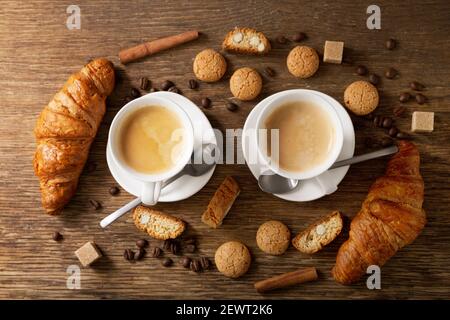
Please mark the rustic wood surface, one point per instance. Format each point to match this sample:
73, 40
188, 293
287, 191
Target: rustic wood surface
38, 53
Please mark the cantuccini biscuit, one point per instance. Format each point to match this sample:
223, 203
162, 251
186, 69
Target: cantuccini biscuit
246, 41
157, 224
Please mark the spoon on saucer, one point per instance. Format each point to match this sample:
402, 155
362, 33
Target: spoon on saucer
191, 169
274, 183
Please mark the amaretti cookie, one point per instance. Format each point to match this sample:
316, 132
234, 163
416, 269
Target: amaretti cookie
245, 84
157, 224
319, 234
273, 237
209, 65
246, 41
232, 259
303, 62
361, 97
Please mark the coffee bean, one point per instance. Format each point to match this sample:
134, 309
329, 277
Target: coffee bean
361, 70
91, 166
376, 120
416, 86
386, 142
374, 79
231, 106
185, 262
145, 83
387, 122
134, 93
128, 254
205, 263
190, 248
56, 236
270, 72
193, 84
95, 204
114, 191
142, 243
282, 40
140, 254
156, 252
404, 97
196, 266
390, 44
167, 243
166, 85
152, 90
167, 262
420, 98
393, 132
174, 90
403, 135
399, 111
390, 73
206, 103
299, 36
174, 248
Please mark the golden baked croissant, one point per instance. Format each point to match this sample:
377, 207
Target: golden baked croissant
65, 130
390, 217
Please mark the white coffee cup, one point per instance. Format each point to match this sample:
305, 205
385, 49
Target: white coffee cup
298, 96
151, 183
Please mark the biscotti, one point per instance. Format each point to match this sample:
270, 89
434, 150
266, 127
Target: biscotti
319, 234
157, 224
221, 202
246, 41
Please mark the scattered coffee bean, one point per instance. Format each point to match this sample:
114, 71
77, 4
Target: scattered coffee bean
140, 254
153, 90
299, 36
390, 73
56, 236
231, 106
387, 122
167, 243
128, 254
185, 262
404, 97
376, 120
166, 85
403, 135
196, 266
369, 116
420, 98
416, 86
114, 191
167, 262
174, 248
361, 70
374, 79
134, 93
391, 44
145, 83
193, 84
393, 132
386, 142
142, 243
174, 90
206, 103
282, 40
156, 252
95, 204
269, 71
205, 263
91, 166
190, 248
399, 111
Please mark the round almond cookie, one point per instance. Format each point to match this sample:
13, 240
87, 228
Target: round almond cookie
303, 62
232, 259
361, 97
209, 65
245, 84
273, 237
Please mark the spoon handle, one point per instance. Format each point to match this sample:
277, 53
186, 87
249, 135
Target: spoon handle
120, 212
364, 157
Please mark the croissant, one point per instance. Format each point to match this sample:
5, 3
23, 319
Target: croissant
390, 218
65, 130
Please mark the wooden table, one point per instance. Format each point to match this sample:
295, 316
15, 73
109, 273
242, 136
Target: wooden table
37, 55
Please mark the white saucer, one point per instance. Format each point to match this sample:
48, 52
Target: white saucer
308, 189
185, 186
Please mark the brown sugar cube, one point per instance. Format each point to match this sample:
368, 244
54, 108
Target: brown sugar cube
88, 254
333, 51
422, 121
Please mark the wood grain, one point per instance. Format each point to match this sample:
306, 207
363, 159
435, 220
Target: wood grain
37, 55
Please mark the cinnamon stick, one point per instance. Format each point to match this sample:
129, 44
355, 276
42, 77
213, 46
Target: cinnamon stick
155, 46
286, 280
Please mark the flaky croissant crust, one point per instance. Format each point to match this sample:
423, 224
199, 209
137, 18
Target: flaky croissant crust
65, 130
